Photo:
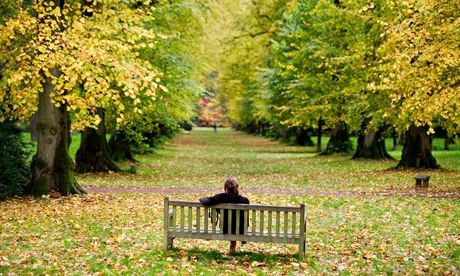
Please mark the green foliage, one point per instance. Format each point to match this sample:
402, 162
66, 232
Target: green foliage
14, 168
8, 8
186, 125
374, 65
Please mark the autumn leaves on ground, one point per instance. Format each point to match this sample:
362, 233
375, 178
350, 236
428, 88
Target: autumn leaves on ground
362, 216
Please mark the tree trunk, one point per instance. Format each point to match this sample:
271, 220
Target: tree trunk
52, 167
394, 137
446, 142
371, 146
303, 138
417, 150
320, 133
93, 154
120, 147
339, 141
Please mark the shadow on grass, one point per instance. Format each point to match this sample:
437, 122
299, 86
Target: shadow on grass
247, 256
285, 151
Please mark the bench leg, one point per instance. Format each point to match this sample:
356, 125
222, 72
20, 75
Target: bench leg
168, 243
301, 251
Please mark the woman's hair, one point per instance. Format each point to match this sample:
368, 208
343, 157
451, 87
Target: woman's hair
232, 187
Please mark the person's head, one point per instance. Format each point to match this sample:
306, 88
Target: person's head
232, 187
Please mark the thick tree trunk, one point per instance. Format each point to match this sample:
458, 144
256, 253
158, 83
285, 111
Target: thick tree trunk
93, 154
120, 147
417, 150
320, 133
371, 145
303, 138
52, 167
339, 141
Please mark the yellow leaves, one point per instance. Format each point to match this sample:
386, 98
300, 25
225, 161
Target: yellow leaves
290, 67
162, 87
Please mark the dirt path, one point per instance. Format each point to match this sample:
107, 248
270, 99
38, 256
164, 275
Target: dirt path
155, 190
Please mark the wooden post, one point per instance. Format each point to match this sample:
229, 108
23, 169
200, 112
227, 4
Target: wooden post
302, 232
168, 242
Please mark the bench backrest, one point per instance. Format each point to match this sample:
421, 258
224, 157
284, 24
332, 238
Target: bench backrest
265, 223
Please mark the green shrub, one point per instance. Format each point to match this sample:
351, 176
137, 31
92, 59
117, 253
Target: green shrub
186, 125
14, 169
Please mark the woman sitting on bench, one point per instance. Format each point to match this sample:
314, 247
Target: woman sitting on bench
231, 195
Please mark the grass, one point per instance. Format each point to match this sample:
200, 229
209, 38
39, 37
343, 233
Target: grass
122, 233
202, 158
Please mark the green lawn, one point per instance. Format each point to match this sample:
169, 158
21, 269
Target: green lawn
202, 158
405, 233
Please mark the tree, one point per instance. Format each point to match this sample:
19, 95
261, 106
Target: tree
419, 65
93, 155
174, 54
371, 145
66, 67
316, 55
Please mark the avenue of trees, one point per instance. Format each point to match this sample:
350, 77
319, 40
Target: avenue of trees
372, 68
289, 69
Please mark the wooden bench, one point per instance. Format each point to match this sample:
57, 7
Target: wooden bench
263, 223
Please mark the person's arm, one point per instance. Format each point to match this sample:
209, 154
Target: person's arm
205, 201
244, 200
212, 200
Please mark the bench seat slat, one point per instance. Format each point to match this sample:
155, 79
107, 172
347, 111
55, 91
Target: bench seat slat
269, 221
182, 218
189, 215
206, 223
198, 218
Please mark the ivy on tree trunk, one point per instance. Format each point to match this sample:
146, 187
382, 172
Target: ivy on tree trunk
417, 150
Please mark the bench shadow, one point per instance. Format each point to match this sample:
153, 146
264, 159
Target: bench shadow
248, 256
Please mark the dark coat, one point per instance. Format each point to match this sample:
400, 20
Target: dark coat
226, 198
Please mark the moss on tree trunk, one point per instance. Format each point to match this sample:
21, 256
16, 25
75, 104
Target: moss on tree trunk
93, 154
417, 150
339, 141
52, 168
